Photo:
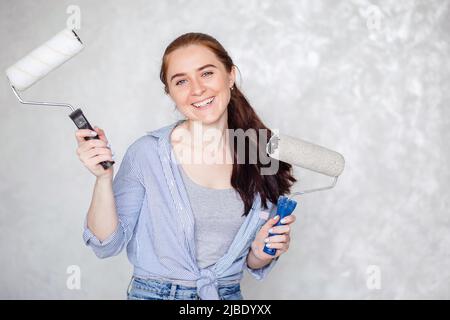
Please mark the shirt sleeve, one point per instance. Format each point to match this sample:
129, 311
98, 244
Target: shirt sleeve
261, 273
129, 193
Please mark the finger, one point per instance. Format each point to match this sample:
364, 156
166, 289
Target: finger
276, 245
101, 134
284, 238
98, 159
289, 219
89, 144
280, 252
97, 151
81, 133
279, 229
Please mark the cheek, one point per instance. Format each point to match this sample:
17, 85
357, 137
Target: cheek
224, 87
226, 98
185, 109
180, 98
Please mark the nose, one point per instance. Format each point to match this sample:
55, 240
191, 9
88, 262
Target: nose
197, 88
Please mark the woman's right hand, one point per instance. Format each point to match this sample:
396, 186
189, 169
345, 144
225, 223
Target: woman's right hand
92, 152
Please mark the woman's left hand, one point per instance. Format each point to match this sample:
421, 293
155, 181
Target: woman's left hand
279, 240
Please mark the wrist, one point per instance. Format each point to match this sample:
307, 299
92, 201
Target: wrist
104, 179
255, 262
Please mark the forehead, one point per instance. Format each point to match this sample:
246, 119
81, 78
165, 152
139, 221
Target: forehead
190, 58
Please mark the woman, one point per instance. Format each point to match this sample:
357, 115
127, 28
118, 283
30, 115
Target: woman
190, 228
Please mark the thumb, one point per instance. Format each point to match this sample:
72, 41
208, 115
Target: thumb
271, 222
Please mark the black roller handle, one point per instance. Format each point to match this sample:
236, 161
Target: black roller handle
81, 122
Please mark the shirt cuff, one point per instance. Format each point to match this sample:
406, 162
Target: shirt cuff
108, 247
90, 239
261, 273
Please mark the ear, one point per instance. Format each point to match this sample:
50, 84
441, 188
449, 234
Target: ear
232, 77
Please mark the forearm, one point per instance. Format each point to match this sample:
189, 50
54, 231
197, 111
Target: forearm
102, 217
254, 262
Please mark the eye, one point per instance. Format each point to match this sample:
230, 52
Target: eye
207, 73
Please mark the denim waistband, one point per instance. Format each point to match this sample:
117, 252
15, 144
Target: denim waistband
186, 283
160, 289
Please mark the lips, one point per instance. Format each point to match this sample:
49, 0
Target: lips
204, 103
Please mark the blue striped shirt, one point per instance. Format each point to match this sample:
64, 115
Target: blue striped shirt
156, 222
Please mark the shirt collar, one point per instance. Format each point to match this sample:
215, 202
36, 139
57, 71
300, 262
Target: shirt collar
165, 131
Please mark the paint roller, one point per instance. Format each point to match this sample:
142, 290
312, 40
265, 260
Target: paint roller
41, 61
307, 155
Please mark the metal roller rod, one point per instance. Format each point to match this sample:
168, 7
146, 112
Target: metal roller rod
313, 190
49, 104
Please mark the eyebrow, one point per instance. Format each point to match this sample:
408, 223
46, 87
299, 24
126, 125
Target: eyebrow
199, 69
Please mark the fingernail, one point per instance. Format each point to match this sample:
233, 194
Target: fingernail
276, 217
268, 245
266, 240
93, 133
283, 220
271, 230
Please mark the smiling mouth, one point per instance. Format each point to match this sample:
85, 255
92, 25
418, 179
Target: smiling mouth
204, 103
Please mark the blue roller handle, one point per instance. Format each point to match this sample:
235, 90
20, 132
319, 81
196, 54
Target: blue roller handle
285, 207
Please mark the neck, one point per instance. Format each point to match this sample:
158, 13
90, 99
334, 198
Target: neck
203, 134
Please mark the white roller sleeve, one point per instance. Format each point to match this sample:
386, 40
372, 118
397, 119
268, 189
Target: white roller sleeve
38, 63
306, 155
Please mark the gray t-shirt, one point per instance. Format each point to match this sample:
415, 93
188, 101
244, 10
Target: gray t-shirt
218, 217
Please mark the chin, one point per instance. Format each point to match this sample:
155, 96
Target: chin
210, 119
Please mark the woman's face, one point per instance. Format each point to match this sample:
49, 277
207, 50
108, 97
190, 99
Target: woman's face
194, 76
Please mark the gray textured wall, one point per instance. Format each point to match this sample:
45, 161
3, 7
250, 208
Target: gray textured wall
369, 79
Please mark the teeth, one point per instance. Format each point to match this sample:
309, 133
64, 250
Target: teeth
198, 105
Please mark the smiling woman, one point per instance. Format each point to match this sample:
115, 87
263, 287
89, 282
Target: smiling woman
195, 67
192, 228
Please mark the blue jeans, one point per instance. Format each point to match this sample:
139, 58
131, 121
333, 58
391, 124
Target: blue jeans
149, 289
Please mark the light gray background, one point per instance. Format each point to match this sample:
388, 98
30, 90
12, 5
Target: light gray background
369, 79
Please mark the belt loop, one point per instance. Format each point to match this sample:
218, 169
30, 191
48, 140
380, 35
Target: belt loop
173, 290
129, 286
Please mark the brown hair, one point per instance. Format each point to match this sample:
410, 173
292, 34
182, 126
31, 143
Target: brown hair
246, 178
